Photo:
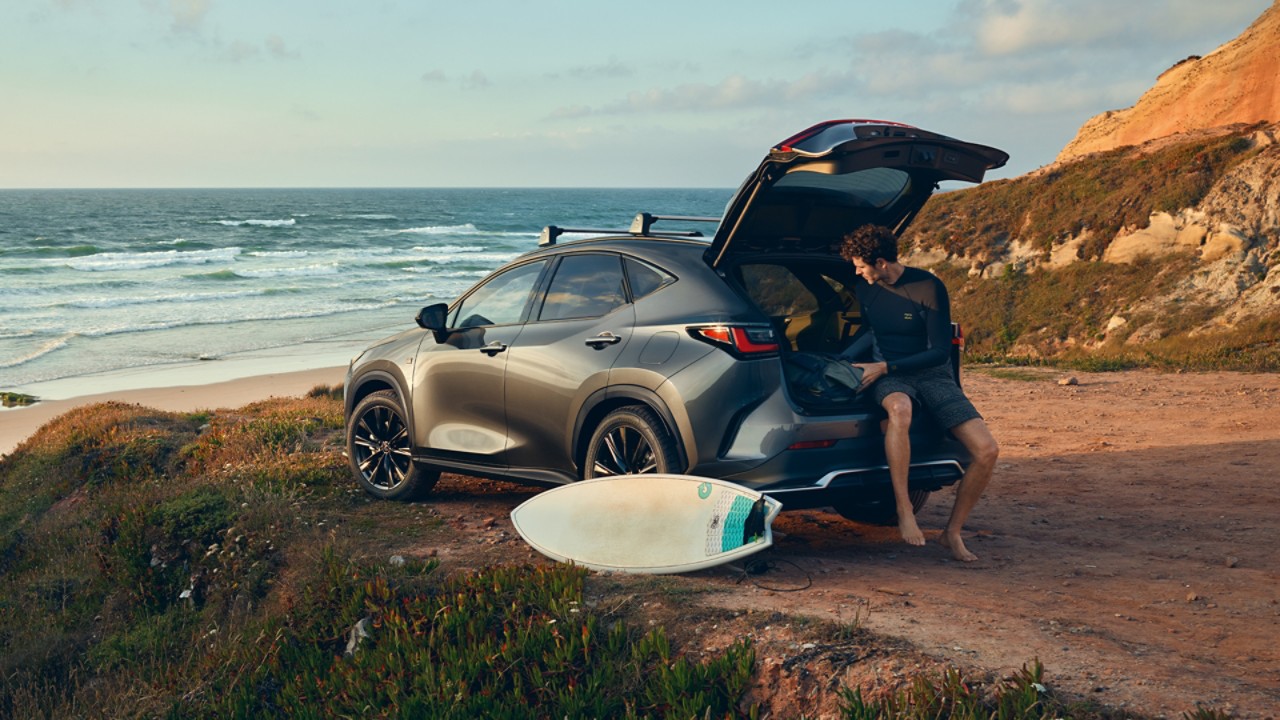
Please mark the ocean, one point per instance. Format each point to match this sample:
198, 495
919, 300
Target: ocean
100, 287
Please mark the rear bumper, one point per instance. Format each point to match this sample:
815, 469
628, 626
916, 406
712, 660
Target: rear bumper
861, 482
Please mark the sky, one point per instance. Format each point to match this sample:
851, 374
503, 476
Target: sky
553, 93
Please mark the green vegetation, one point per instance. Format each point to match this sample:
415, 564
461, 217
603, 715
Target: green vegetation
13, 399
1100, 194
1061, 316
223, 565
950, 695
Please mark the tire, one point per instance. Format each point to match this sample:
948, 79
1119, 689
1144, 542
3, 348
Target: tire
630, 440
880, 509
380, 450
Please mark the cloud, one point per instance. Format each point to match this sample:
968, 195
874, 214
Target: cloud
475, 81
188, 14
240, 51
434, 76
243, 51
734, 92
277, 48
613, 68
1010, 27
1037, 57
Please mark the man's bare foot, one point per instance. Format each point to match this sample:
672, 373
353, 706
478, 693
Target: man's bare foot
955, 544
910, 531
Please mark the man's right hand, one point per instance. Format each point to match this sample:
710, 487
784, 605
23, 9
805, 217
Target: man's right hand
871, 372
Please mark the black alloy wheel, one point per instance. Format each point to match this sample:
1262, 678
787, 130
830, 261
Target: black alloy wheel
630, 441
380, 450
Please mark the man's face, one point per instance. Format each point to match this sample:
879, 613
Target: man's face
871, 272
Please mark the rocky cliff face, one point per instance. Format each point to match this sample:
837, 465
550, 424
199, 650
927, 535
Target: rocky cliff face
1204, 272
1154, 239
1237, 83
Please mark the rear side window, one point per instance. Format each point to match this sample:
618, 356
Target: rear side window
585, 285
645, 278
777, 291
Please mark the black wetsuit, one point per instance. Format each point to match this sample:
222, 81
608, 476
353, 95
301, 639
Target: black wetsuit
911, 320
911, 323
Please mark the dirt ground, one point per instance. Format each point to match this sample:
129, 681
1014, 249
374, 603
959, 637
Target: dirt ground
1128, 541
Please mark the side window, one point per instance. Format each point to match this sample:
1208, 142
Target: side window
500, 300
645, 278
777, 290
585, 285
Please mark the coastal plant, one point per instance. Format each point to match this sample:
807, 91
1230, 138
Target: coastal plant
949, 696
160, 554
288, 445
1102, 194
14, 399
500, 642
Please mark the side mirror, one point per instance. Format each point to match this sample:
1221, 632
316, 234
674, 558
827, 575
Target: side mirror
433, 317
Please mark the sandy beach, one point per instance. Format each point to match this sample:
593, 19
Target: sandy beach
17, 424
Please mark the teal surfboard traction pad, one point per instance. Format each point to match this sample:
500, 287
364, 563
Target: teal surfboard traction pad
737, 520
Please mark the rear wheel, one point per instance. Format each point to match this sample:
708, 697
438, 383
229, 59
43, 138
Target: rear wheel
380, 450
879, 509
630, 441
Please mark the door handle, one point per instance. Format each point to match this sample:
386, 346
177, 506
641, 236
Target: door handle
493, 348
605, 338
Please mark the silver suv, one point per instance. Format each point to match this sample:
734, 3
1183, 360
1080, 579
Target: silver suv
644, 351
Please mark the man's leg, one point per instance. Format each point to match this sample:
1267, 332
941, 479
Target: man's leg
983, 448
897, 450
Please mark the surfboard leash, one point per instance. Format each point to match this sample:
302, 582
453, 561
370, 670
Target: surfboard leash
755, 567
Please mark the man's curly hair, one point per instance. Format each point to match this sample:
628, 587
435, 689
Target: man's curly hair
870, 243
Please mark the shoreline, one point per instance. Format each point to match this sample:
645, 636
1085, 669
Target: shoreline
19, 424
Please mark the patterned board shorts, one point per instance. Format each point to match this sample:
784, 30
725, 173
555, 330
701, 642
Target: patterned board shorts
935, 388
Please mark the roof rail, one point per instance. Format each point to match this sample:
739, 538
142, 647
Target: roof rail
640, 225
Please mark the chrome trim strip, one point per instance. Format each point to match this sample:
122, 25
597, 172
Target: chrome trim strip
829, 477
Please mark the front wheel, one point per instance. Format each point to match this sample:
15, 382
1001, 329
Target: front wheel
380, 450
879, 509
630, 441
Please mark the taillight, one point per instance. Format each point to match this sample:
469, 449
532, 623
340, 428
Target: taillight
738, 340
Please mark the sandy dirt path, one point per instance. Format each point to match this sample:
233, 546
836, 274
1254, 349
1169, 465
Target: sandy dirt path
1128, 541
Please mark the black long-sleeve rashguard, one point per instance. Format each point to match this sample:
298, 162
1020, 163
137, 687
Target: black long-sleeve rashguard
911, 319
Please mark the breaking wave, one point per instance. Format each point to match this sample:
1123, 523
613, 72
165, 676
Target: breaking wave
259, 223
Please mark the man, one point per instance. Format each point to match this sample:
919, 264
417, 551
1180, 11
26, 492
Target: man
909, 313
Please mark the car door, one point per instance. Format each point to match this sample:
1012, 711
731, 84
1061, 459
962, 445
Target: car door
459, 379
563, 355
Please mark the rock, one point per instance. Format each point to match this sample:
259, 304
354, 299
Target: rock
1070, 380
1192, 597
358, 633
397, 560
1232, 562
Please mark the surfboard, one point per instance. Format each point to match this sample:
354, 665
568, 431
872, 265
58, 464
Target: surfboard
652, 523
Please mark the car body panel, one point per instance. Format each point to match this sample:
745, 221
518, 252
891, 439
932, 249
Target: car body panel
459, 400
557, 370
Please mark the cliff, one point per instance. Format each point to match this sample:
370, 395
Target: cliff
1235, 84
